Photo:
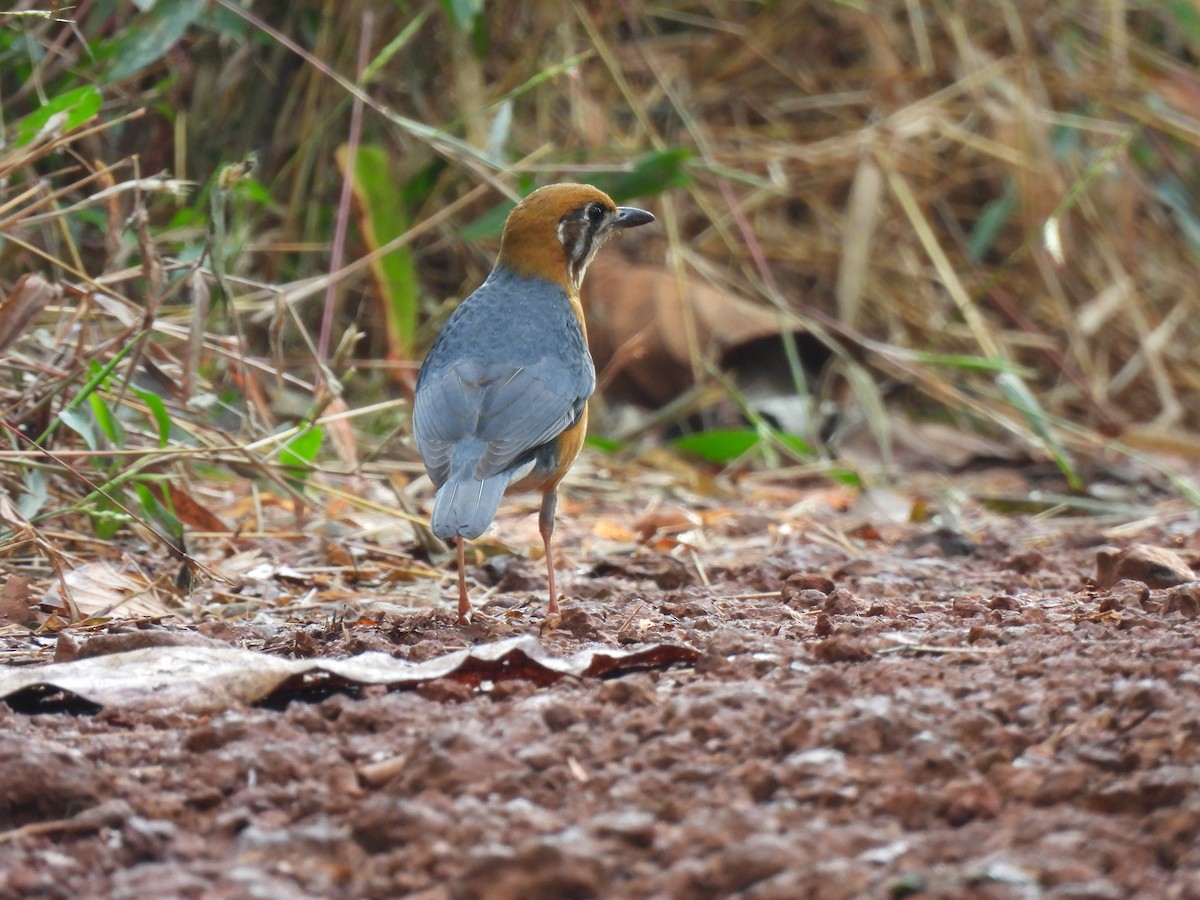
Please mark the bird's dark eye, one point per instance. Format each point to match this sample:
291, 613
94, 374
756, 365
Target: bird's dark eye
595, 213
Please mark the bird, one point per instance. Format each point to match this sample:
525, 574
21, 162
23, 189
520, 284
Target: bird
501, 397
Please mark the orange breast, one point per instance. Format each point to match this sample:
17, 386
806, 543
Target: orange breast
567, 445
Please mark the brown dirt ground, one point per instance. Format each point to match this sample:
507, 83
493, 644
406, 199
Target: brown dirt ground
913, 714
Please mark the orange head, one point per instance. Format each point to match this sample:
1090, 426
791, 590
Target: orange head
555, 231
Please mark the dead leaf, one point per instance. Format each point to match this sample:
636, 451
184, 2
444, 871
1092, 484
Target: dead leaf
637, 328
205, 679
31, 294
99, 589
10, 517
108, 644
805, 581
66, 648
665, 571
665, 520
240, 564
1178, 88
16, 602
336, 554
1156, 567
919, 446
187, 509
1125, 594
1183, 599
612, 530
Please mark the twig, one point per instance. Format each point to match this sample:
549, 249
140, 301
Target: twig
932, 650
177, 550
629, 619
347, 192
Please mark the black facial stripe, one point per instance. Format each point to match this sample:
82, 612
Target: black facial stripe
579, 232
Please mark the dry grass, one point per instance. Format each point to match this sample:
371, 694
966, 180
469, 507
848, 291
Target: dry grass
992, 204
843, 162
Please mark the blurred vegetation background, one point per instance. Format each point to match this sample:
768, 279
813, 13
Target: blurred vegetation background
229, 228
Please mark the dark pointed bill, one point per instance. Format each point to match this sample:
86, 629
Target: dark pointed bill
629, 217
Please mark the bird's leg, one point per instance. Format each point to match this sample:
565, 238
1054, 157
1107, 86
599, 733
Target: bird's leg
546, 526
464, 602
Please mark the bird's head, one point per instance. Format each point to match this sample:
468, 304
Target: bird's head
555, 231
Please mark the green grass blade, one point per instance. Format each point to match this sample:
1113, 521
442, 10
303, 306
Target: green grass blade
149, 37
398, 43
109, 425
383, 217
158, 410
721, 445
1018, 394
652, 174
74, 106
99, 375
992, 219
961, 361
158, 513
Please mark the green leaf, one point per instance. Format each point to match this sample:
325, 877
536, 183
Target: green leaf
479, 35
420, 187
463, 12
251, 189
489, 225
108, 423
1187, 17
653, 174
106, 518
300, 450
151, 35
382, 218
80, 423
848, 477
99, 376
793, 442
73, 107
158, 513
605, 445
158, 410
1022, 399
187, 218
720, 445
30, 503
992, 219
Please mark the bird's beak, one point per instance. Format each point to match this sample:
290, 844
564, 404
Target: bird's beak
628, 217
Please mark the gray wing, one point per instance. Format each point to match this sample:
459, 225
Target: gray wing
499, 411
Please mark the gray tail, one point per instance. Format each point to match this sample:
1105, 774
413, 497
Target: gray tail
465, 506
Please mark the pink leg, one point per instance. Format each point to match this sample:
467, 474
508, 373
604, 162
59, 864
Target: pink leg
464, 602
546, 526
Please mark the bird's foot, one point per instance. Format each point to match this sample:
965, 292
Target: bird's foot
550, 623
464, 609
553, 617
